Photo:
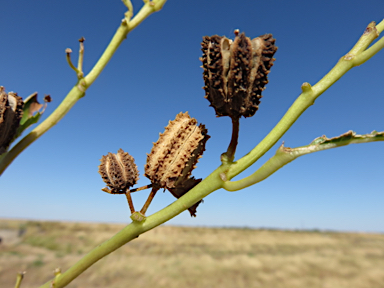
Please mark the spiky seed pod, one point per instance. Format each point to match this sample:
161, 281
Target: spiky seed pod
118, 171
175, 154
235, 72
11, 112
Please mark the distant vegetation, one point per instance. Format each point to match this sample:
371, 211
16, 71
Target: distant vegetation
193, 257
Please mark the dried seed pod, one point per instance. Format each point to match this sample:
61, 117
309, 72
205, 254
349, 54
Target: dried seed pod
235, 72
175, 154
118, 171
11, 112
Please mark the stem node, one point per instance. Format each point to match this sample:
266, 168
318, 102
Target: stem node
306, 88
138, 217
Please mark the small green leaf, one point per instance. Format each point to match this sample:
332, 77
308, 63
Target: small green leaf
32, 113
31, 105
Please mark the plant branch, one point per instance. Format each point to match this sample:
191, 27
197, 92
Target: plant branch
215, 180
19, 278
129, 13
78, 91
130, 202
68, 52
149, 200
285, 155
141, 188
307, 98
81, 58
68, 102
133, 230
120, 35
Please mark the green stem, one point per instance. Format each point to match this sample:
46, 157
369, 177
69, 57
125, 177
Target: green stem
129, 13
78, 91
367, 54
306, 99
80, 61
285, 155
213, 182
120, 35
69, 61
133, 230
68, 102
19, 278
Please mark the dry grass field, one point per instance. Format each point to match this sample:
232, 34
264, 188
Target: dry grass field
193, 257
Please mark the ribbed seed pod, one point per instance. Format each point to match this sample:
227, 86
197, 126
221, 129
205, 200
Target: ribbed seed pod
235, 72
118, 171
175, 154
11, 112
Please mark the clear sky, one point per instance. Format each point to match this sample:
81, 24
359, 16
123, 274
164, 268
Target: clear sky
156, 74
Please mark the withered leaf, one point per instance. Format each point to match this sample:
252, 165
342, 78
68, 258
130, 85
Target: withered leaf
11, 112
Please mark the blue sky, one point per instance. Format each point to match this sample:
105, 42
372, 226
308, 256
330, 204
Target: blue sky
156, 74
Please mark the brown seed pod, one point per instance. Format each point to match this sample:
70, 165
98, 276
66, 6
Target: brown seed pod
11, 112
175, 154
118, 171
235, 72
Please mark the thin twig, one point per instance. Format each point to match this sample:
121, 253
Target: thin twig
129, 13
81, 58
130, 202
19, 278
105, 189
69, 51
149, 200
141, 188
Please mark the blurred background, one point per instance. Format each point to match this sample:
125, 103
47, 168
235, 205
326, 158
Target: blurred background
156, 74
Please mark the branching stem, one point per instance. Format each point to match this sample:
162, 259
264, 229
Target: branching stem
133, 230
215, 180
309, 95
78, 91
129, 13
286, 155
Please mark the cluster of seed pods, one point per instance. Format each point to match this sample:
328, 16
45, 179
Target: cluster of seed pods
235, 73
169, 164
